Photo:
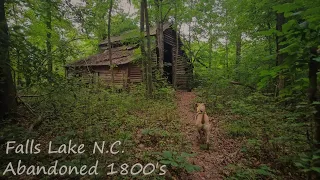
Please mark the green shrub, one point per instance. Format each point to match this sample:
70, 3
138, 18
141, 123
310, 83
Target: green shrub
88, 113
261, 172
309, 162
178, 162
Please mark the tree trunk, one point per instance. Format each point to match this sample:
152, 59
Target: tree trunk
270, 41
18, 72
313, 70
226, 47
227, 55
109, 43
160, 35
8, 104
280, 57
238, 56
48, 40
189, 36
149, 59
19, 82
210, 47
142, 47
174, 63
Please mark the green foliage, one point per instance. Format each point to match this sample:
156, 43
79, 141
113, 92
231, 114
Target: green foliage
178, 161
300, 33
155, 132
272, 134
309, 162
261, 172
239, 128
87, 113
233, 48
76, 31
164, 93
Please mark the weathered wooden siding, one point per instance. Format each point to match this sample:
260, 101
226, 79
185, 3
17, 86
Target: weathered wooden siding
135, 73
101, 74
169, 36
129, 72
120, 74
182, 70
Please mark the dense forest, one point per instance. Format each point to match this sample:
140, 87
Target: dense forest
254, 63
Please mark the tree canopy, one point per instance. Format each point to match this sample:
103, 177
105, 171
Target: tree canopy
255, 63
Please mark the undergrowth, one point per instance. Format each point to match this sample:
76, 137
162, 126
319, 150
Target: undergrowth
87, 114
274, 134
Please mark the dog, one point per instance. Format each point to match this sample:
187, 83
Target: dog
202, 122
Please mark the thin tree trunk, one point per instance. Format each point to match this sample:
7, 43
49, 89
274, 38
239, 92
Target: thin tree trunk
189, 36
226, 47
18, 68
238, 56
149, 60
313, 90
270, 87
161, 43
210, 45
227, 55
142, 44
176, 57
109, 43
8, 104
210, 51
48, 40
160, 35
269, 41
18, 80
280, 57
174, 64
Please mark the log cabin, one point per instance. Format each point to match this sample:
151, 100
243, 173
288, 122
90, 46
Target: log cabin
128, 68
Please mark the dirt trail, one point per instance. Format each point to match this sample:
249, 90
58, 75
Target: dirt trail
223, 150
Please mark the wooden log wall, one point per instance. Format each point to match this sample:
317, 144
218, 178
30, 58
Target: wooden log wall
123, 74
104, 75
135, 73
182, 71
169, 36
132, 73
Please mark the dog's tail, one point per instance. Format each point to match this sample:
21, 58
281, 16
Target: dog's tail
202, 119
202, 116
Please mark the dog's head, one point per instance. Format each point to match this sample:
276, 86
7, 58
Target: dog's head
201, 107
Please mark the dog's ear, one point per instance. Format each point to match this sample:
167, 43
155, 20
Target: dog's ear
195, 105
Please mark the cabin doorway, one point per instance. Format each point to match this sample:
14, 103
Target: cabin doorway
167, 63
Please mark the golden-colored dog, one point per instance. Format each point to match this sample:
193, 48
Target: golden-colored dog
202, 122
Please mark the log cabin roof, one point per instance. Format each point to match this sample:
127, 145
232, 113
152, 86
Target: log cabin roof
133, 34
120, 55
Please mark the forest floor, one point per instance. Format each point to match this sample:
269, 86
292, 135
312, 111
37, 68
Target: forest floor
222, 151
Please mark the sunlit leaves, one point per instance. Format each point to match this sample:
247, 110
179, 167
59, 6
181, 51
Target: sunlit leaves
286, 7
